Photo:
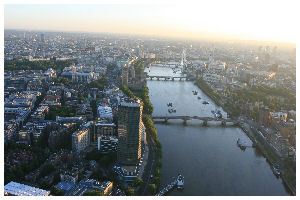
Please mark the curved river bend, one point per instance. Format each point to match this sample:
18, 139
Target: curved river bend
208, 157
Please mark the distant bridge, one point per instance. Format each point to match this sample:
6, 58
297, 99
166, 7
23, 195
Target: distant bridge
166, 78
203, 119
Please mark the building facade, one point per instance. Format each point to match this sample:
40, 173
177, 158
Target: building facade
129, 132
80, 140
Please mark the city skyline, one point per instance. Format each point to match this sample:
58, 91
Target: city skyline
149, 99
250, 20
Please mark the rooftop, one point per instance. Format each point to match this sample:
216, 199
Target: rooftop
130, 102
19, 189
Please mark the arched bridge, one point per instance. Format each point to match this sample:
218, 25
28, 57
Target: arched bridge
166, 78
185, 118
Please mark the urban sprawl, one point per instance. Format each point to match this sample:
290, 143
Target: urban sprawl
77, 114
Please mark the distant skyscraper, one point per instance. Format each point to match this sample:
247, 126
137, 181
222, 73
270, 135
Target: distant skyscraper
42, 37
130, 132
125, 70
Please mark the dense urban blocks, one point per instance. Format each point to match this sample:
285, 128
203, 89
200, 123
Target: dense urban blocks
78, 116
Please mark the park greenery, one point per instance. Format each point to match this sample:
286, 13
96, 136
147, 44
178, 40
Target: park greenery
62, 80
274, 98
18, 173
102, 158
152, 188
144, 95
127, 92
137, 182
24, 64
228, 106
46, 169
63, 111
56, 192
100, 83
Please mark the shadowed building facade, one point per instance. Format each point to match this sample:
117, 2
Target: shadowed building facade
130, 132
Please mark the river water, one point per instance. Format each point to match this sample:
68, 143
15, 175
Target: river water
208, 157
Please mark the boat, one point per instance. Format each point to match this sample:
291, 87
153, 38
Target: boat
217, 114
171, 110
180, 181
199, 97
169, 104
195, 92
276, 171
240, 144
205, 102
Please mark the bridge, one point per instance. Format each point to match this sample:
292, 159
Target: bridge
169, 65
203, 119
172, 78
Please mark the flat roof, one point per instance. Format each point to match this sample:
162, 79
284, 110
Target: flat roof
19, 189
65, 185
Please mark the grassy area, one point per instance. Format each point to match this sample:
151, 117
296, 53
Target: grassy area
37, 65
63, 111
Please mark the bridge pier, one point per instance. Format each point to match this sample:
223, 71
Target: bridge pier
151, 78
236, 123
173, 79
184, 121
204, 123
166, 120
223, 123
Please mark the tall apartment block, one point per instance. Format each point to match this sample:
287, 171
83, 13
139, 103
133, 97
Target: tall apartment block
130, 131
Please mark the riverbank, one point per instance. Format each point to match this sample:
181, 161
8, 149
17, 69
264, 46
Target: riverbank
227, 107
270, 156
268, 153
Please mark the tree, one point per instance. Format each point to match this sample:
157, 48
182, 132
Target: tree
37, 65
56, 192
92, 193
63, 111
137, 182
152, 188
156, 180
129, 191
100, 83
46, 169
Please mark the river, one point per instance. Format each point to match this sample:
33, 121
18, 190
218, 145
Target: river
208, 157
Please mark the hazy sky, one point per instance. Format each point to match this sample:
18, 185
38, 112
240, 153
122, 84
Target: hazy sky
251, 19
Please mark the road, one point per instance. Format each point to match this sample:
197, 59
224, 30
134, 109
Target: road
149, 168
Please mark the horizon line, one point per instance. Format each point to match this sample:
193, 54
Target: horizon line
220, 37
